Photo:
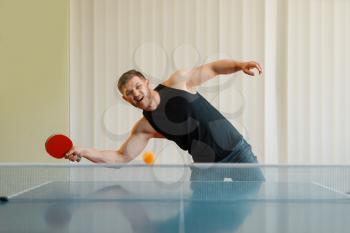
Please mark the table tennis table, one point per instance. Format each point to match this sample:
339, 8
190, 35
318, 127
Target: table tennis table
175, 198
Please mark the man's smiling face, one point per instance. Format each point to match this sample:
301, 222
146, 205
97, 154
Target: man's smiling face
137, 92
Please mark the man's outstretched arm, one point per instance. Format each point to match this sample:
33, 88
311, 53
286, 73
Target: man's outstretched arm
130, 149
195, 77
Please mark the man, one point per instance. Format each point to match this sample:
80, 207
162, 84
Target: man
176, 111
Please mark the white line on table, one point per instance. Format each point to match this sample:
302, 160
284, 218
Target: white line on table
331, 189
29, 189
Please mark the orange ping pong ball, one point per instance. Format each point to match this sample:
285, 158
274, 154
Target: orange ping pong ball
148, 157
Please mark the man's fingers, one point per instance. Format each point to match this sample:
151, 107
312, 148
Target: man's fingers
249, 72
260, 68
74, 157
70, 152
70, 156
256, 65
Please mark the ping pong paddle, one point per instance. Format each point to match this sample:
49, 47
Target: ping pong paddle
58, 145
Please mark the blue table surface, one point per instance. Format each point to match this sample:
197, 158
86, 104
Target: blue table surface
197, 206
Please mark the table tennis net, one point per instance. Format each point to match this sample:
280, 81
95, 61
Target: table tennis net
196, 182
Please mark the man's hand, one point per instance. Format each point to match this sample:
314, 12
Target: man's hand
75, 154
248, 66
96, 156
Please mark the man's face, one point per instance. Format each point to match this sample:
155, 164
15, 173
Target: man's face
137, 92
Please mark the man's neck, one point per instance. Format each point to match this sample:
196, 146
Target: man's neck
155, 100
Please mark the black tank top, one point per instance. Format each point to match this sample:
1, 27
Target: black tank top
193, 124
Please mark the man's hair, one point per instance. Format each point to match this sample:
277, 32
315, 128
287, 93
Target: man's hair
124, 78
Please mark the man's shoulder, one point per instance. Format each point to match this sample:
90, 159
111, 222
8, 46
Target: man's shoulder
178, 80
144, 127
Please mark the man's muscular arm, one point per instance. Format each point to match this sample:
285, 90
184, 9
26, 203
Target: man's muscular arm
190, 79
130, 149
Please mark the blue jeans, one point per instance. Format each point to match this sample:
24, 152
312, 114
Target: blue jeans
242, 153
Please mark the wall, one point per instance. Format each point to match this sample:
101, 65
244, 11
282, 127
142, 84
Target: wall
297, 112
34, 89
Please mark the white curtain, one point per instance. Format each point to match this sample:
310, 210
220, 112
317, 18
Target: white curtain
298, 112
